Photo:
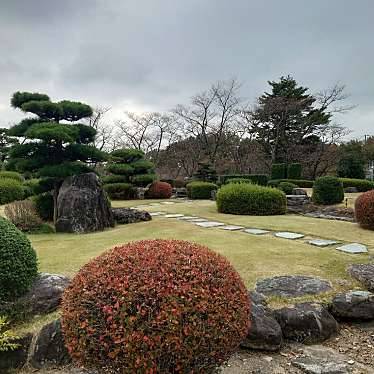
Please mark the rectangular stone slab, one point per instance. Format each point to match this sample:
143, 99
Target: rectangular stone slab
155, 214
167, 202
288, 235
231, 228
209, 224
256, 231
186, 218
197, 220
322, 242
174, 215
353, 248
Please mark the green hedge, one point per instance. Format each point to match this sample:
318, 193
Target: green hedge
238, 180
11, 175
328, 190
294, 171
10, 190
362, 185
120, 191
261, 179
278, 171
250, 199
287, 187
302, 183
200, 190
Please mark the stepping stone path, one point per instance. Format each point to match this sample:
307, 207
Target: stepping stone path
210, 224
364, 273
322, 242
185, 218
288, 235
174, 215
353, 248
231, 228
292, 286
167, 202
256, 231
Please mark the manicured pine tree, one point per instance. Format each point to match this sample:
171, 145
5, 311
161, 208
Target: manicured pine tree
52, 149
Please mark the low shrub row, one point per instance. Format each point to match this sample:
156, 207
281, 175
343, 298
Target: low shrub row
250, 199
200, 190
238, 180
11, 175
261, 179
302, 183
362, 185
286, 171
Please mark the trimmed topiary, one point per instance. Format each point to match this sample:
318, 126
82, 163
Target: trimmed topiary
250, 199
238, 180
44, 205
155, 306
18, 263
200, 190
143, 180
120, 191
328, 190
278, 171
364, 210
287, 187
10, 190
159, 190
294, 171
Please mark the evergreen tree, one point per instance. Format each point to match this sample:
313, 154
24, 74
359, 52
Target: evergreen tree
6, 142
351, 162
51, 149
205, 173
285, 117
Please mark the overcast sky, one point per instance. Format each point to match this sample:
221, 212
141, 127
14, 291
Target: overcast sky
141, 55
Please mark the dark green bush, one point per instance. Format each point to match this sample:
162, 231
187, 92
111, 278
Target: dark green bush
200, 190
30, 187
250, 199
261, 179
278, 171
362, 185
121, 169
143, 180
287, 187
302, 183
120, 191
18, 263
328, 190
44, 205
11, 175
294, 171
10, 190
142, 166
238, 180
115, 179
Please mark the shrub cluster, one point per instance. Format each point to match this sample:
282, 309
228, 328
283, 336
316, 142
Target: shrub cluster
328, 190
155, 306
120, 191
362, 185
30, 187
18, 263
200, 190
287, 187
23, 215
11, 175
10, 190
364, 210
302, 183
261, 179
238, 180
44, 205
250, 199
159, 190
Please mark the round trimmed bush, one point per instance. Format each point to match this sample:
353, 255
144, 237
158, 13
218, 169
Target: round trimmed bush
159, 190
250, 199
44, 205
18, 263
120, 191
364, 210
155, 306
287, 187
200, 190
10, 190
328, 190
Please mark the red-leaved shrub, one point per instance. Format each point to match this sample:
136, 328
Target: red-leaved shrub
159, 190
155, 306
364, 210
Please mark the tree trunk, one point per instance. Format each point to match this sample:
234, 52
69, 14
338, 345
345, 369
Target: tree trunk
55, 196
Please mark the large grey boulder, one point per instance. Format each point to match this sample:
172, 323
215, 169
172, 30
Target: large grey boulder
82, 205
364, 273
49, 347
128, 215
356, 305
307, 323
265, 332
45, 294
292, 286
